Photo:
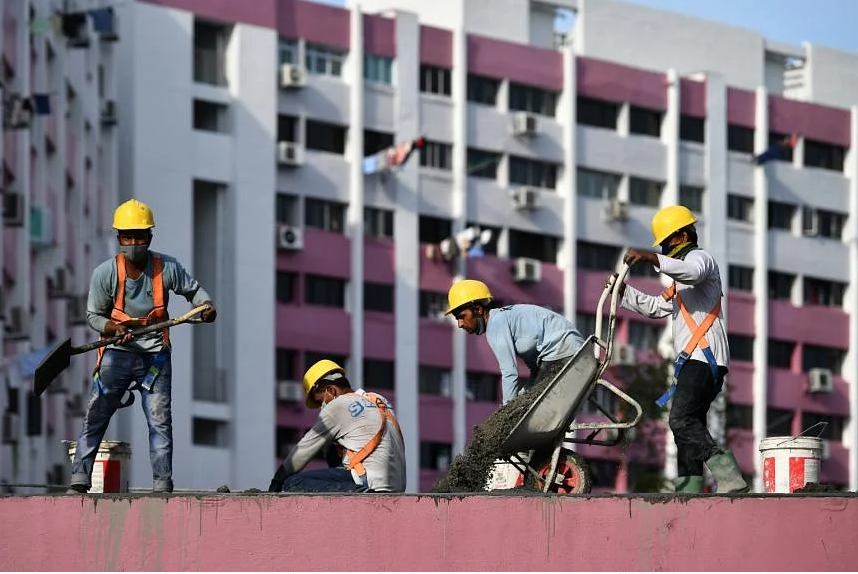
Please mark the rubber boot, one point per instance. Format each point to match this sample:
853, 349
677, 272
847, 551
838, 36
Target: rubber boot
726, 473
688, 484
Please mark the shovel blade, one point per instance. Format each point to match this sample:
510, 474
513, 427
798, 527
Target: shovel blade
54, 363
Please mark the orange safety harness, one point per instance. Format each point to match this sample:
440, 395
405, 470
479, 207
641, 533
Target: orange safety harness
356, 458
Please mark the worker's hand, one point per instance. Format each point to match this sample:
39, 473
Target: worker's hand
114, 329
633, 256
209, 314
277, 482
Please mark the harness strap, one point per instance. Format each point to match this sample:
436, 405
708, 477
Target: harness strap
356, 458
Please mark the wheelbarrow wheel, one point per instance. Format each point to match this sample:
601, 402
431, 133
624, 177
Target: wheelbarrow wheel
572, 477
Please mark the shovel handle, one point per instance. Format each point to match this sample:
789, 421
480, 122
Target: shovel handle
186, 318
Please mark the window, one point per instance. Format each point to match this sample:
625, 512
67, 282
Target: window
322, 136
692, 129
691, 197
435, 80
741, 347
284, 364
740, 208
534, 245
434, 229
596, 113
378, 374
643, 270
284, 288
645, 192
435, 455
740, 416
597, 184
531, 172
322, 60
324, 291
781, 215
483, 163
433, 304
833, 430
490, 248
825, 156
287, 128
779, 422
740, 278
378, 222
586, 323
209, 43
436, 155
287, 51
822, 292
817, 357
483, 90
209, 116
286, 209
434, 381
780, 285
597, 256
311, 358
378, 297
786, 151
644, 122
324, 215
378, 69
210, 432
822, 223
780, 353
740, 138
482, 387
374, 142
644, 335
530, 99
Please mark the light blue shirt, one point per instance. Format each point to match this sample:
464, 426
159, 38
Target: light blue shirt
138, 297
535, 334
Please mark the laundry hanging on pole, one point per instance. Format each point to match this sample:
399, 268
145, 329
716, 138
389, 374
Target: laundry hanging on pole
392, 157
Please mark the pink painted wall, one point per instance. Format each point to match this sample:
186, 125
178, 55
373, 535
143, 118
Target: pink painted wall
826, 326
518, 62
618, 83
378, 261
485, 533
821, 123
436, 47
10, 36
379, 35
741, 107
317, 23
740, 313
692, 97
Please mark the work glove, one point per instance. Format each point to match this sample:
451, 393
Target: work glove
277, 482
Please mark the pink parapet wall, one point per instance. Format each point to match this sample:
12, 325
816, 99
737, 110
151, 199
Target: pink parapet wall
414, 533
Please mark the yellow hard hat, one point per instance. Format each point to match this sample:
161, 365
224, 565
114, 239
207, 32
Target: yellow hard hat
133, 214
467, 291
669, 220
320, 369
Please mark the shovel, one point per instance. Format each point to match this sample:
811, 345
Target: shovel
59, 358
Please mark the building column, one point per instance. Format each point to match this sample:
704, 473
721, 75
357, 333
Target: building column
569, 254
354, 222
850, 371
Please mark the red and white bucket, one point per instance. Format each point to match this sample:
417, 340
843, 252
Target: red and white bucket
790, 462
110, 471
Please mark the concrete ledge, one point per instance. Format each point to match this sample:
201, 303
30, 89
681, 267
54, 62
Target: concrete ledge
385, 532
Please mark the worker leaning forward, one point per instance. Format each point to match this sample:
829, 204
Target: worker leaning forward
700, 341
544, 340
361, 424
126, 291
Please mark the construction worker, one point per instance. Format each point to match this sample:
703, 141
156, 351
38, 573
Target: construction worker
361, 424
545, 340
700, 341
127, 291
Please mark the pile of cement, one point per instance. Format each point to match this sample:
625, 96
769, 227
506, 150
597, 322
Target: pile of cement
817, 487
470, 470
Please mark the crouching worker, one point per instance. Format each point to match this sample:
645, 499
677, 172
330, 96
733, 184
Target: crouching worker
361, 423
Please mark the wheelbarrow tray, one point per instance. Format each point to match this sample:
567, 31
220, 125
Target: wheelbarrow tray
554, 409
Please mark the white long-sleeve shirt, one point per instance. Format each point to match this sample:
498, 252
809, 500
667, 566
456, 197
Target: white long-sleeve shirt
351, 420
698, 282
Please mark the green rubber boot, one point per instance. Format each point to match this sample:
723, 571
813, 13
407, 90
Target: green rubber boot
688, 484
726, 473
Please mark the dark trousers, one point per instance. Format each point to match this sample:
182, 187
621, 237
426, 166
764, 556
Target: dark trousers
696, 388
322, 480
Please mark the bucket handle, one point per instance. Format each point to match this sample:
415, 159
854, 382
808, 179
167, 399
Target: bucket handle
808, 429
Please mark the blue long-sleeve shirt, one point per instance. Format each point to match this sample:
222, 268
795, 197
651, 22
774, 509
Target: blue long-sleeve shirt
535, 334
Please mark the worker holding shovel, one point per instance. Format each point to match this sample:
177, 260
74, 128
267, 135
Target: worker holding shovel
700, 341
129, 291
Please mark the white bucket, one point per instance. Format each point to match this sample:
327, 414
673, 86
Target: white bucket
110, 471
790, 462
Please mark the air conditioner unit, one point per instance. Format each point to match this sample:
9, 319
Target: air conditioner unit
17, 112
60, 284
290, 391
13, 209
17, 326
108, 113
624, 355
820, 381
617, 210
290, 153
41, 227
290, 238
524, 124
527, 269
77, 310
525, 198
293, 76
11, 428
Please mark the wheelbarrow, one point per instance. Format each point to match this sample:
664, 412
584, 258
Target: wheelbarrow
536, 445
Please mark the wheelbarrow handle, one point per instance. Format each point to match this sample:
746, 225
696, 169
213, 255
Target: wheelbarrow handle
612, 288
189, 317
